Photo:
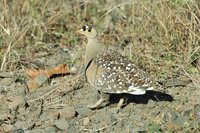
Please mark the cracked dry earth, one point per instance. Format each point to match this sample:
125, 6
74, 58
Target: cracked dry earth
61, 106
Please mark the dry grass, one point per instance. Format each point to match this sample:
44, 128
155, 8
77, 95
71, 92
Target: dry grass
161, 36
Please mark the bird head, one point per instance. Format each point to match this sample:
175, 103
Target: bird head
88, 31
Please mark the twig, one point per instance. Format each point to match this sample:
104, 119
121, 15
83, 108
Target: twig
189, 28
60, 100
194, 51
115, 7
193, 80
55, 89
5, 57
6, 30
102, 128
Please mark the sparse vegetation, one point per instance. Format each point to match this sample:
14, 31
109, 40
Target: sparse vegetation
161, 36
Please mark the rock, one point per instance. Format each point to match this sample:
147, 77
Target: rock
6, 74
169, 116
151, 103
6, 81
83, 111
62, 124
7, 128
37, 82
15, 102
197, 113
41, 79
86, 121
68, 113
36, 131
72, 129
105, 119
19, 130
178, 81
50, 129
180, 120
20, 124
187, 112
54, 115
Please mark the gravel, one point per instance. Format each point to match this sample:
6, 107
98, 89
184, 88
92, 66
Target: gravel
53, 109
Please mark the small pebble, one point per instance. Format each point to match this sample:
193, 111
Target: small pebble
187, 111
197, 113
86, 121
68, 113
50, 129
15, 102
7, 128
180, 120
83, 111
151, 103
62, 124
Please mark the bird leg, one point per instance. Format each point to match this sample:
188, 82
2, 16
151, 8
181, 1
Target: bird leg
104, 97
122, 102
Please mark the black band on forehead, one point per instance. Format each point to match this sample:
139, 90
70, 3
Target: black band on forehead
84, 28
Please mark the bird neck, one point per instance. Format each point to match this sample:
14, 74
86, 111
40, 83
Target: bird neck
93, 48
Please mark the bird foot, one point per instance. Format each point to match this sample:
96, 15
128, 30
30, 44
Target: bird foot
119, 106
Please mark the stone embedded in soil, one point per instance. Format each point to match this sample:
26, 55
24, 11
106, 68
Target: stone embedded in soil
180, 121
68, 113
86, 121
20, 124
54, 115
41, 79
7, 128
187, 112
151, 103
6, 74
72, 129
62, 124
197, 113
120, 124
104, 119
169, 116
6, 81
83, 111
35, 131
14, 102
179, 81
50, 129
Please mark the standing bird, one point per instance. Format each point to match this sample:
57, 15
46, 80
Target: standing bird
110, 72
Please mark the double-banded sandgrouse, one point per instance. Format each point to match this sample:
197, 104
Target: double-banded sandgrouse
110, 72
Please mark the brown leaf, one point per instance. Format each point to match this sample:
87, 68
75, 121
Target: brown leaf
60, 69
39, 77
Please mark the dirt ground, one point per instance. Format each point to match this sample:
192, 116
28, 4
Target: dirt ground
61, 105
42, 83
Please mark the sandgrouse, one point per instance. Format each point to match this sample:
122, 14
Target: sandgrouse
110, 72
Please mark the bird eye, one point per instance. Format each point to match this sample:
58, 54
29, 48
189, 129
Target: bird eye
89, 30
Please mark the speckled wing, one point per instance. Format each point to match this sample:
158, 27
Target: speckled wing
120, 75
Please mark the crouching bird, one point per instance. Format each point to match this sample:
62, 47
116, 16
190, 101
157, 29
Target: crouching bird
110, 72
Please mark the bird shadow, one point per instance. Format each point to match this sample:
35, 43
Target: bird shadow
142, 99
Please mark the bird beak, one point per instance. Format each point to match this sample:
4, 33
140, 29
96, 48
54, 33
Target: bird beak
78, 32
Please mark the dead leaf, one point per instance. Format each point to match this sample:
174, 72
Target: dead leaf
39, 77
60, 69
